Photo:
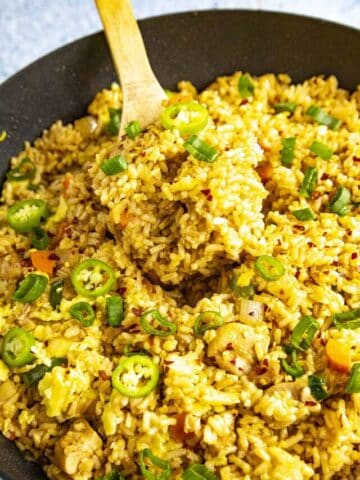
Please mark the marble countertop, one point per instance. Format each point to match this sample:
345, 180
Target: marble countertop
30, 29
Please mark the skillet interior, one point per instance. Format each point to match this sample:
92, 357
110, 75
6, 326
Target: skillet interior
191, 46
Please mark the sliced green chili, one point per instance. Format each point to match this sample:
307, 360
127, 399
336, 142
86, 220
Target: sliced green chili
114, 165
317, 387
33, 376
133, 129
23, 216
246, 86
26, 170
304, 214
30, 288
113, 126
242, 291
136, 376
39, 238
353, 384
92, 278
114, 475
83, 312
16, 347
320, 116
115, 311
269, 268
339, 202
208, 320
288, 151
169, 328
198, 472
56, 293
200, 149
309, 183
321, 150
290, 364
349, 320
164, 465
189, 118
285, 107
304, 332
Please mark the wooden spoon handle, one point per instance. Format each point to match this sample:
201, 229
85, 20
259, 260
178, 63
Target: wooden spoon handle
141, 90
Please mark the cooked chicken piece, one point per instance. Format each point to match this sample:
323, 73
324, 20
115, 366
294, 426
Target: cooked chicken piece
80, 443
237, 347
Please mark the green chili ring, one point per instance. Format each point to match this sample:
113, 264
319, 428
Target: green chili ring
25, 215
158, 462
30, 288
86, 269
202, 322
198, 118
83, 312
129, 364
171, 328
16, 347
269, 268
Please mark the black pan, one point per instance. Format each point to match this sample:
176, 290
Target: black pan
193, 46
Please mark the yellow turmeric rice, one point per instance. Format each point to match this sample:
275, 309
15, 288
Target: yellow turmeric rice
184, 303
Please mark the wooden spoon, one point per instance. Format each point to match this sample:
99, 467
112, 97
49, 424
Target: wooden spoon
142, 93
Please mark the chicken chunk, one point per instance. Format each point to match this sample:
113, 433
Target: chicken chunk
77, 451
237, 347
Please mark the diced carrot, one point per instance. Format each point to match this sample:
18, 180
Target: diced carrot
338, 356
265, 171
66, 182
124, 219
179, 98
177, 431
42, 261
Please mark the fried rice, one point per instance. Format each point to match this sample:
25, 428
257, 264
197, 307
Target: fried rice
183, 236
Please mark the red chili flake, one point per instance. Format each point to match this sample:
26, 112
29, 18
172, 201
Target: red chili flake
324, 176
310, 403
356, 159
354, 255
265, 362
122, 290
326, 272
262, 370
335, 263
278, 242
53, 256
206, 191
26, 262
68, 230
299, 227
103, 375
322, 341
75, 221
136, 311
316, 195
229, 346
210, 197
244, 101
12, 436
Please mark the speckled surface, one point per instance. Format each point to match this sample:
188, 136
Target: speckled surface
32, 28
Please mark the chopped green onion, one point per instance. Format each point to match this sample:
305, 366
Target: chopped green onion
39, 238
198, 472
133, 129
317, 387
56, 293
339, 202
246, 86
269, 268
242, 291
320, 116
200, 149
16, 347
288, 151
30, 288
114, 165
304, 332
114, 311
169, 327
129, 351
349, 320
321, 150
83, 312
26, 170
304, 214
33, 376
309, 183
164, 465
208, 320
135, 376
294, 368
285, 107
114, 475
353, 384
113, 126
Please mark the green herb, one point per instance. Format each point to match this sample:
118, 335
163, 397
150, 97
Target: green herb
321, 150
317, 387
33, 376
26, 170
115, 310
288, 151
285, 107
133, 129
246, 86
291, 365
304, 332
349, 320
39, 238
320, 116
309, 183
198, 472
304, 214
56, 293
200, 149
114, 165
353, 384
113, 126
339, 202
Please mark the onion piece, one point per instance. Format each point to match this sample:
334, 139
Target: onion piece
250, 311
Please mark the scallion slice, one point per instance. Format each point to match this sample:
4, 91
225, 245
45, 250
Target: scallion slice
321, 150
208, 320
353, 384
246, 86
320, 116
198, 471
133, 129
114, 165
112, 127
304, 214
317, 387
304, 332
339, 202
83, 312
349, 320
158, 462
200, 149
309, 183
288, 151
285, 107
290, 364
39, 238
166, 328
